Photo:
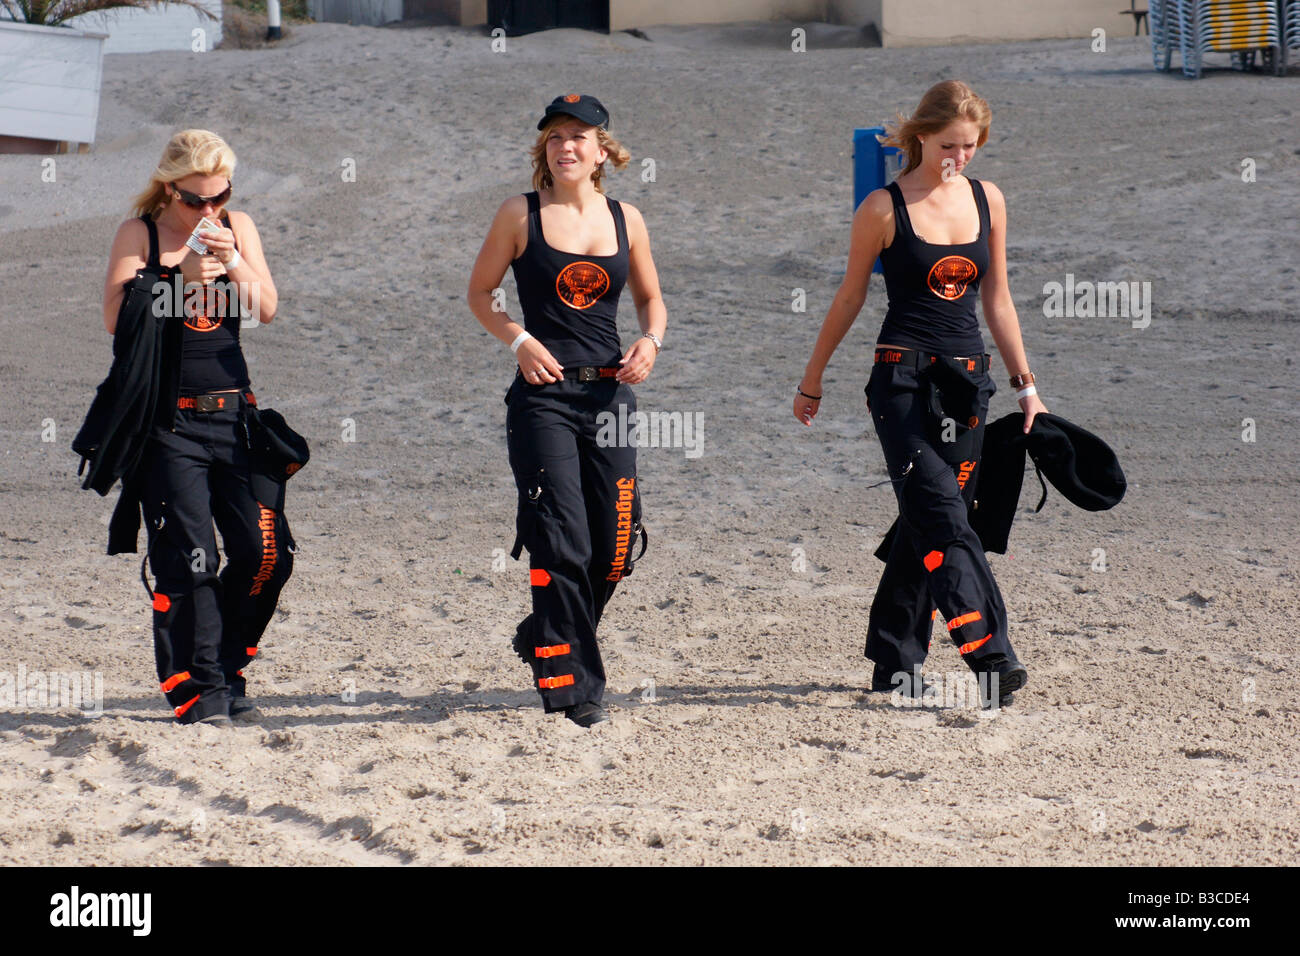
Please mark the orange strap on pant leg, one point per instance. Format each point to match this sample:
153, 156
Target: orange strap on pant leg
171, 682
957, 622
975, 645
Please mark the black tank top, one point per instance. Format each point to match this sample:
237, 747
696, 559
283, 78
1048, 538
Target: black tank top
211, 359
933, 288
570, 302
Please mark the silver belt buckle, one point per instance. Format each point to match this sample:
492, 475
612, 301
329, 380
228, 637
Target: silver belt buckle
215, 403
588, 374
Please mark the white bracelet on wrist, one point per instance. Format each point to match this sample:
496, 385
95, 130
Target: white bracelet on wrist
520, 339
234, 262
1026, 392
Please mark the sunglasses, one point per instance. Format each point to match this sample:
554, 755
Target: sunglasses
195, 201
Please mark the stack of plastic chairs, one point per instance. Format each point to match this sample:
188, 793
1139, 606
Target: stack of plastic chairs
1226, 26
1290, 28
1163, 16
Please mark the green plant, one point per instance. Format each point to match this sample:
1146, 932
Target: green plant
51, 13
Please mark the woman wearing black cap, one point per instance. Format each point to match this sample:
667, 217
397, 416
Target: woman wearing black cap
571, 250
929, 388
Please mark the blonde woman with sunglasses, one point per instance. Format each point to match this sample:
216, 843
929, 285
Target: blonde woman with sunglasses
195, 470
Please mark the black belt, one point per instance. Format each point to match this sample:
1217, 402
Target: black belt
214, 401
916, 359
584, 373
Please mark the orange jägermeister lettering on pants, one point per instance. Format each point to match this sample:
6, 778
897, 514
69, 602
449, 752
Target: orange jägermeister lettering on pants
266, 522
623, 534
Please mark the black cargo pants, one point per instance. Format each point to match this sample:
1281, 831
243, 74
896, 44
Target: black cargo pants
929, 417
207, 625
579, 516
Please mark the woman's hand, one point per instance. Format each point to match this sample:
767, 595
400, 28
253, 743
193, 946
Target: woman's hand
637, 362
538, 364
199, 269
220, 243
804, 407
1031, 406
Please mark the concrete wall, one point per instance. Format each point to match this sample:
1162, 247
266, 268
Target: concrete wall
854, 13
924, 22
371, 13
900, 22
626, 14
166, 27
465, 12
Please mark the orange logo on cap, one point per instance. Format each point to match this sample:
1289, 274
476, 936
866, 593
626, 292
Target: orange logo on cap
950, 276
580, 284
572, 98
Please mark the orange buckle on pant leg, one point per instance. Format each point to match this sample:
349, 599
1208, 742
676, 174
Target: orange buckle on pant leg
161, 602
175, 679
553, 651
539, 578
187, 705
251, 651
973, 645
957, 622
932, 560
548, 683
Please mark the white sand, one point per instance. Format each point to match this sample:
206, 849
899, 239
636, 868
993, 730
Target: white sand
1160, 721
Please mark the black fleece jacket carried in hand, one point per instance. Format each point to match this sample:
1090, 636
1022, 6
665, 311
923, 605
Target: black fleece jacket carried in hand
1078, 464
140, 392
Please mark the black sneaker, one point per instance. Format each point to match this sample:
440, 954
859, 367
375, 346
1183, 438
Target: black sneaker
242, 705
1011, 676
587, 715
215, 720
884, 681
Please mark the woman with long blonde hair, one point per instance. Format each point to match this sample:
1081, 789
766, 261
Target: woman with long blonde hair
195, 470
572, 250
929, 387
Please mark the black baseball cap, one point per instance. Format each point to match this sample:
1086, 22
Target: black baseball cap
580, 106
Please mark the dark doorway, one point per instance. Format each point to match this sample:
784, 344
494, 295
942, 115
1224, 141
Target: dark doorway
518, 17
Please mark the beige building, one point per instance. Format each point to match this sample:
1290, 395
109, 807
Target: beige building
899, 22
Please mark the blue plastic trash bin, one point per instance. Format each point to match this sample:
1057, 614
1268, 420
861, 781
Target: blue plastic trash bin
874, 166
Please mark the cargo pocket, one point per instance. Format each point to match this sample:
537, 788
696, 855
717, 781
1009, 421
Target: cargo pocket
528, 519
290, 545
956, 410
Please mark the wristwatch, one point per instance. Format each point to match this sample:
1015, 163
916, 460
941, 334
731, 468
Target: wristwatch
659, 343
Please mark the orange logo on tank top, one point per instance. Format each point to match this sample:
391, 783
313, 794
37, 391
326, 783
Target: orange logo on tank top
204, 309
580, 284
950, 276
